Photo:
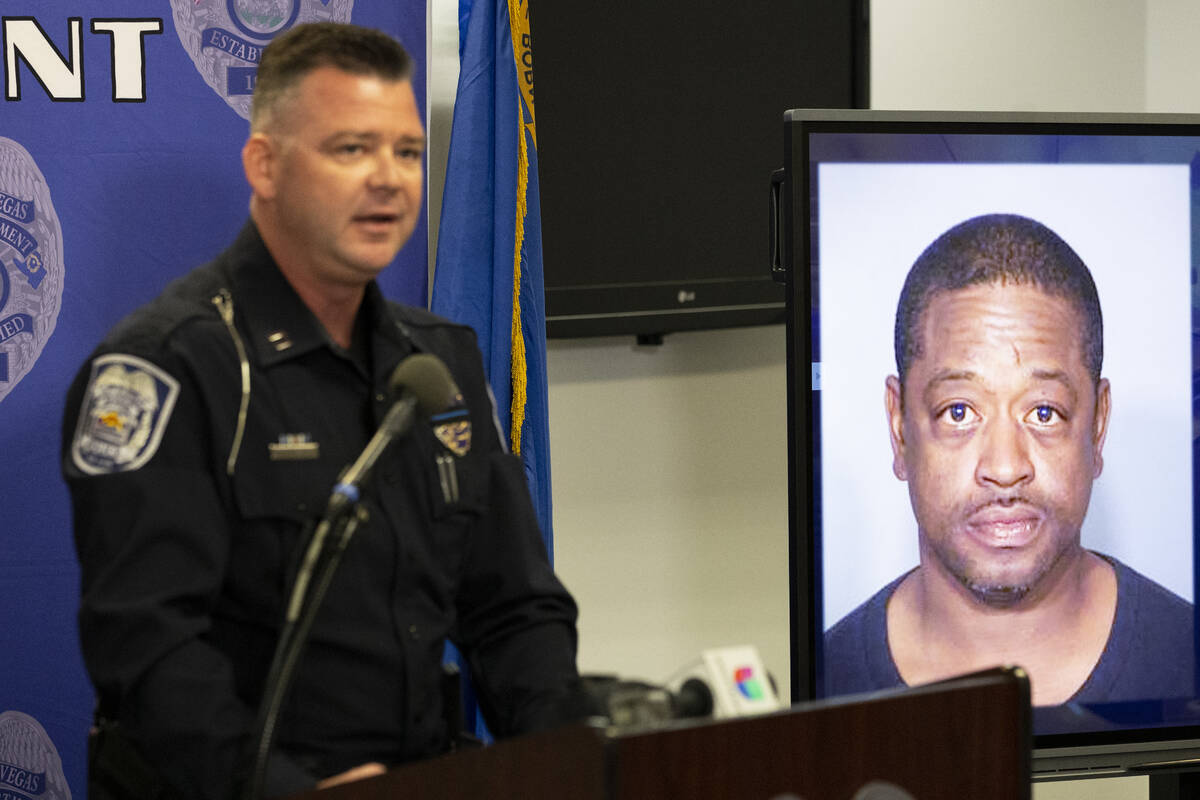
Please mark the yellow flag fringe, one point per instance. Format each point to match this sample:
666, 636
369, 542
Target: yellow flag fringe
520, 380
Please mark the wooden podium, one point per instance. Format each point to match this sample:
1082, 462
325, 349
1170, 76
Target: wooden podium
965, 738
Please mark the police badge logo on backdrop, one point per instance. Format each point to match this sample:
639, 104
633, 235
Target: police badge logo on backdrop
30, 767
31, 264
225, 38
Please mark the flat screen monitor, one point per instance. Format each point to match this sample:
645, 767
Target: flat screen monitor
657, 123
1025, 492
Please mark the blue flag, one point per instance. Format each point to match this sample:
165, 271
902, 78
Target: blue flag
489, 254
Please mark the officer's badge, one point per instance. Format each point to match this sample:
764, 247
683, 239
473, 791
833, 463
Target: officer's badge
225, 38
31, 264
453, 429
124, 413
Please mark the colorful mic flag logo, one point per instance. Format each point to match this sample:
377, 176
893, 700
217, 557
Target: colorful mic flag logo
747, 684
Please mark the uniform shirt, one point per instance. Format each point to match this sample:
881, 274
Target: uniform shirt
1148, 655
194, 482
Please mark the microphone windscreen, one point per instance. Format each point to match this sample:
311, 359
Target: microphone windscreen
694, 699
426, 378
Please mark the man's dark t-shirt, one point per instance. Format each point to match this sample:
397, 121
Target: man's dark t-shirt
1149, 654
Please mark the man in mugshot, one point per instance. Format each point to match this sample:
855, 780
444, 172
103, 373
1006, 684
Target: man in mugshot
997, 417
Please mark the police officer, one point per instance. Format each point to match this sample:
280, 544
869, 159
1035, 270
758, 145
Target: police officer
203, 437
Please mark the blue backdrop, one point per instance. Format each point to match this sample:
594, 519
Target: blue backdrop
120, 136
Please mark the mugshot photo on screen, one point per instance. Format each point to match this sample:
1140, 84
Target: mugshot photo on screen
1131, 226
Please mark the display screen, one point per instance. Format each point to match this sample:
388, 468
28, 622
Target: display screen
1000, 468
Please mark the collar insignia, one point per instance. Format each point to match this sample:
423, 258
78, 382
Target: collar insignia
280, 341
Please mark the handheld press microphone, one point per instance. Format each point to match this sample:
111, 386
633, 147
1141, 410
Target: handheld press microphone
737, 682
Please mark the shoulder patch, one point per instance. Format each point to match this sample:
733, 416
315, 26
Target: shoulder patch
125, 410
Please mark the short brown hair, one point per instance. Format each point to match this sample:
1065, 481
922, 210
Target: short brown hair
304, 48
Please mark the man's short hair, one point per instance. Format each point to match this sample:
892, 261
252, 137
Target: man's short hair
1004, 250
304, 48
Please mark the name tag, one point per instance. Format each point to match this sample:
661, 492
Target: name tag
294, 447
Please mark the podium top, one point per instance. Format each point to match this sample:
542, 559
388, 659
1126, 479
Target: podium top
967, 737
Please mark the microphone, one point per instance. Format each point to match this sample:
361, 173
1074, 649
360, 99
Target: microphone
637, 704
736, 682
629, 703
724, 682
694, 699
422, 387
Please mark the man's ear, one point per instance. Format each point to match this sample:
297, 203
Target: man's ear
259, 159
894, 402
1100, 426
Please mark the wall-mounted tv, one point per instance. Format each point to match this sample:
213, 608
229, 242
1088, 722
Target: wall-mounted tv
657, 125
994, 405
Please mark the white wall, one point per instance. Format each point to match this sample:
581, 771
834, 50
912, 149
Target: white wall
670, 491
1172, 62
1009, 55
670, 462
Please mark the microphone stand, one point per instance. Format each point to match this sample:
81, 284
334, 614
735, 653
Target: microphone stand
341, 519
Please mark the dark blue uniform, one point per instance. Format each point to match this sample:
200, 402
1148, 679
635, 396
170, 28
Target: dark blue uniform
201, 439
